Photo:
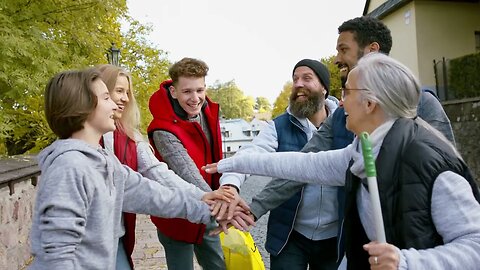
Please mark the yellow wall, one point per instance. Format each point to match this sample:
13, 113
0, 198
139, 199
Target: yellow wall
402, 25
374, 4
444, 29
426, 30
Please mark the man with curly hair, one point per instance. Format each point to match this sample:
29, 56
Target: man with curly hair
185, 134
357, 37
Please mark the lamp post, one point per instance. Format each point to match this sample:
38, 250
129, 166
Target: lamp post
113, 55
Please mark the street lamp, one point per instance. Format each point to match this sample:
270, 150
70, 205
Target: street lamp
113, 55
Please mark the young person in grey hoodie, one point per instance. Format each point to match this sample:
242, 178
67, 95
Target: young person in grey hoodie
84, 188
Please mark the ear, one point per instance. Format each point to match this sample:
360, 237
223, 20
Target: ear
172, 91
374, 47
370, 106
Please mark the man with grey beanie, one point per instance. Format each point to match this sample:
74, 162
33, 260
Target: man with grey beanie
298, 236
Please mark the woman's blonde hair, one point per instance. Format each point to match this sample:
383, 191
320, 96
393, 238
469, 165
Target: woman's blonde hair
129, 123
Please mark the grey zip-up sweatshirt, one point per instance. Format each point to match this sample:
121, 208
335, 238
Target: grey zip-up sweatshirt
80, 198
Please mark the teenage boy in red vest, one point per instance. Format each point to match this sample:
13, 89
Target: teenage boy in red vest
185, 133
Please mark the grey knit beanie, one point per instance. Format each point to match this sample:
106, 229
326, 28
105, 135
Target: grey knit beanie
319, 69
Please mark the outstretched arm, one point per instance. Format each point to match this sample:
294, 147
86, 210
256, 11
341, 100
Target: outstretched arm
265, 142
150, 167
278, 191
177, 158
327, 168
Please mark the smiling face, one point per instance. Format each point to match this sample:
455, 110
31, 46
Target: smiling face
308, 94
190, 93
348, 53
101, 120
120, 94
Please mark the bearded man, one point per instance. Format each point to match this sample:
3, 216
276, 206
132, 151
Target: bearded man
302, 231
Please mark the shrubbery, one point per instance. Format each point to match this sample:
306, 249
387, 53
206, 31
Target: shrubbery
464, 76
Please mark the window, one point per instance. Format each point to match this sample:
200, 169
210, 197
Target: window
477, 41
228, 148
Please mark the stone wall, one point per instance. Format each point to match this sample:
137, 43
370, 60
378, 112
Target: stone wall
15, 223
465, 118
18, 177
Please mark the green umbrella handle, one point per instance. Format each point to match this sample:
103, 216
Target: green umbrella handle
371, 172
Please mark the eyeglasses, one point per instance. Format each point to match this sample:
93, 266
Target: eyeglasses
343, 89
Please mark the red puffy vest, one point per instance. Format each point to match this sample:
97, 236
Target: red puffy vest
199, 149
125, 150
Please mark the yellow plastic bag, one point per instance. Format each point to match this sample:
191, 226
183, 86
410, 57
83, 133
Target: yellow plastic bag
240, 251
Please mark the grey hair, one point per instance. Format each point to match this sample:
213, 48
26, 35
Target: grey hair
390, 83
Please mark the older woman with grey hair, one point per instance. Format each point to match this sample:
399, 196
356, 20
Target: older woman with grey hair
429, 198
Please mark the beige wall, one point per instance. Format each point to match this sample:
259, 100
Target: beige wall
402, 25
444, 29
374, 4
426, 30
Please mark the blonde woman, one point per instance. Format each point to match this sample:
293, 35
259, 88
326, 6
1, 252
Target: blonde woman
130, 148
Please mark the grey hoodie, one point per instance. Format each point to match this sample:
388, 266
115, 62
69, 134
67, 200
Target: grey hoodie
80, 198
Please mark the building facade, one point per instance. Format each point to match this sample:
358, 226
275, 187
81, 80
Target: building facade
237, 132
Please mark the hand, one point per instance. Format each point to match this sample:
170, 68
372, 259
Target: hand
223, 226
382, 256
223, 193
210, 168
219, 209
240, 221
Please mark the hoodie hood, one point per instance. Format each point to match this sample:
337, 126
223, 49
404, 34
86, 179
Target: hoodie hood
97, 157
48, 155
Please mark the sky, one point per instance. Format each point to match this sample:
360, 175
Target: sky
254, 42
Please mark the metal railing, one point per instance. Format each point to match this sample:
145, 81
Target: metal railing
16, 169
440, 69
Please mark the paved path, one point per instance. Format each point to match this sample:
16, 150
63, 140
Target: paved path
149, 253
252, 186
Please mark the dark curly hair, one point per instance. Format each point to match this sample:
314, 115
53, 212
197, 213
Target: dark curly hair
367, 30
188, 67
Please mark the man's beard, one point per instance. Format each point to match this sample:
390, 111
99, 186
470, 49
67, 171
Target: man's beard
306, 108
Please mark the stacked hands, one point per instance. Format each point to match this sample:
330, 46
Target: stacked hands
231, 210
228, 208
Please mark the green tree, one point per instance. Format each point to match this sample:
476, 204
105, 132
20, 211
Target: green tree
147, 64
335, 83
281, 103
40, 38
262, 105
233, 103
